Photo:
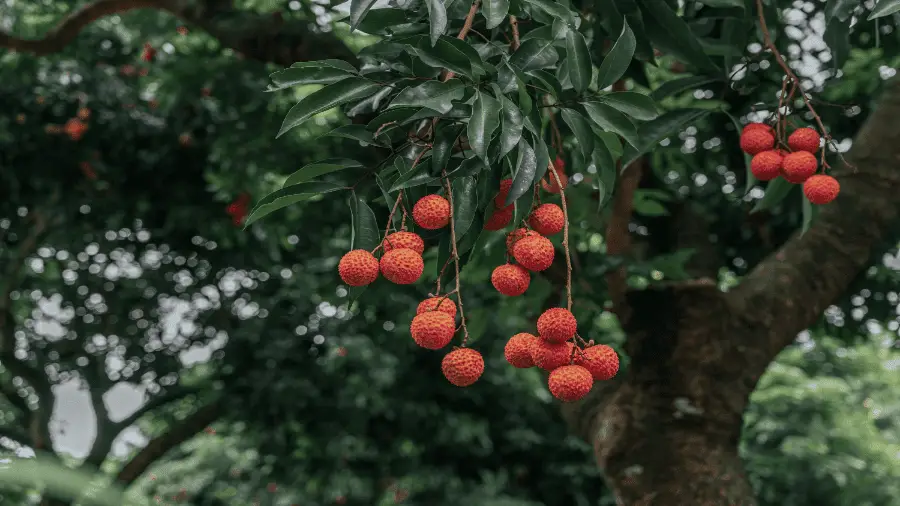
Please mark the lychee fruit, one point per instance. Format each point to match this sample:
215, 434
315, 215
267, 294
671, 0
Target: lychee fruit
547, 219
433, 329
601, 360
570, 383
402, 266
534, 253
821, 189
757, 126
766, 165
358, 268
500, 199
462, 366
432, 212
399, 240
517, 235
500, 218
757, 140
549, 182
557, 325
519, 350
804, 139
442, 304
548, 356
510, 279
799, 166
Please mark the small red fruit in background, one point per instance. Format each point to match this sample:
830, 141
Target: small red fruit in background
358, 268
549, 356
432, 212
442, 304
148, 53
517, 235
84, 114
463, 366
500, 218
239, 208
402, 266
519, 350
601, 360
557, 325
547, 219
821, 189
402, 239
804, 139
510, 279
75, 128
799, 166
500, 199
549, 182
757, 140
432, 330
766, 165
570, 383
534, 253
182, 30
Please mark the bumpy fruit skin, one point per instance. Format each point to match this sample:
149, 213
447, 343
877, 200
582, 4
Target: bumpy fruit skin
549, 356
442, 304
766, 166
756, 141
432, 329
549, 182
402, 266
570, 383
407, 240
534, 253
358, 268
547, 219
517, 235
821, 189
557, 325
500, 199
601, 360
804, 139
510, 280
756, 126
462, 366
500, 218
519, 350
432, 212
799, 166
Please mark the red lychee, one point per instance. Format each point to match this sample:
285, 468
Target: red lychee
547, 219
557, 325
601, 360
500, 218
500, 199
402, 266
548, 356
433, 329
401, 239
510, 279
358, 268
442, 304
462, 366
799, 166
432, 212
519, 350
766, 165
549, 182
804, 139
757, 126
75, 128
757, 140
570, 383
517, 235
821, 189
534, 253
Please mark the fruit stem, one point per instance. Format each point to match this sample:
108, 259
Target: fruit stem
454, 251
562, 195
514, 24
390, 219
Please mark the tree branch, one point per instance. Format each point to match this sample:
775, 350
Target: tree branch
787, 292
171, 395
618, 237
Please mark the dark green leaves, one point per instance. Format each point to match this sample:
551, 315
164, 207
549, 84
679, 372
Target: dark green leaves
437, 15
884, 8
637, 105
341, 92
776, 191
582, 131
670, 88
494, 11
311, 72
484, 121
554, 9
365, 225
434, 95
809, 214
673, 35
286, 196
535, 54
511, 132
317, 169
465, 204
444, 138
524, 178
358, 10
612, 120
619, 58
579, 61
651, 132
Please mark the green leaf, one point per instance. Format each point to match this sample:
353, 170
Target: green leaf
548, 81
670, 88
541, 156
355, 132
652, 132
776, 191
749, 179
435, 95
554, 9
358, 11
284, 197
397, 219
485, 120
365, 229
810, 212
524, 178
465, 204
494, 12
724, 3
884, 8
534, 54
311, 72
523, 207
673, 35
444, 138
606, 166
443, 55
636, 105
837, 36
466, 49
619, 58
437, 16
612, 120
581, 70
582, 131
314, 170
840, 9
333, 95
511, 132
646, 206
412, 179
468, 167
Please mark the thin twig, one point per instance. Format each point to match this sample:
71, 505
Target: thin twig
514, 23
455, 254
562, 194
463, 32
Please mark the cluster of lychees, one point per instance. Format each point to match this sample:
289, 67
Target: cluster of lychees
797, 164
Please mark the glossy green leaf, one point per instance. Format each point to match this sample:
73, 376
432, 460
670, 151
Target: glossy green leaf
284, 197
652, 132
619, 58
724, 3
578, 57
435, 95
749, 179
534, 54
524, 178
358, 11
675, 86
810, 212
612, 120
549, 83
541, 156
333, 95
837, 36
554, 9
603, 159
311, 72
511, 130
383, 21
582, 131
494, 12
437, 17
673, 35
445, 137
354, 132
314, 170
366, 234
840, 10
884, 8
397, 219
523, 207
635, 105
465, 204
464, 48
483, 123
776, 191
441, 55
412, 179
